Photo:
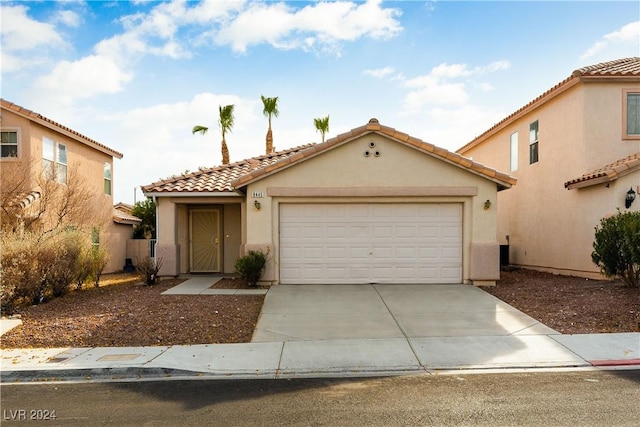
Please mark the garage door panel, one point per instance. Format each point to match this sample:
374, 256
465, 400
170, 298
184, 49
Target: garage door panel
452, 272
371, 243
383, 231
314, 231
335, 231
451, 254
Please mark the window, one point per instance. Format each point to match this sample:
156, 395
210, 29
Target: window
9, 144
107, 178
533, 142
54, 160
514, 152
48, 158
631, 115
61, 167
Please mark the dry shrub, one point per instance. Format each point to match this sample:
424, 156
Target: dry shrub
34, 268
148, 268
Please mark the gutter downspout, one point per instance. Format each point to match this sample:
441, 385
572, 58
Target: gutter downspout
155, 203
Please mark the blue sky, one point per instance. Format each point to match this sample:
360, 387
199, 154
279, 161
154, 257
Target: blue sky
137, 76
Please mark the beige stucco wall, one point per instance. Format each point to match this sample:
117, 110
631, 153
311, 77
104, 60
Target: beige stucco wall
116, 238
549, 227
86, 162
137, 250
400, 174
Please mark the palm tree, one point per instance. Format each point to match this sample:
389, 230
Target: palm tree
322, 125
226, 122
270, 109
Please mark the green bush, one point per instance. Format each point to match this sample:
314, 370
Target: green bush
617, 247
251, 266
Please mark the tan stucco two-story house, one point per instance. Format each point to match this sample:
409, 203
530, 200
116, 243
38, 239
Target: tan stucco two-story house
373, 205
34, 146
575, 151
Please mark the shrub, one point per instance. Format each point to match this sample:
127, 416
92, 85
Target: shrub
251, 266
148, 268
617, 247
98, 263
83, 267
18, 270
90, 264
34, 268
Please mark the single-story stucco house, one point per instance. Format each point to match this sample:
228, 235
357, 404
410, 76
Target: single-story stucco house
373, 205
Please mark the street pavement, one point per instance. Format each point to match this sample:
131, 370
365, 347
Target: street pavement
344, 331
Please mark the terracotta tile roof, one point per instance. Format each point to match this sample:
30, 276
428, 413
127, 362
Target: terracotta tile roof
39, 118
607, 173
122, 214
504, 180
218, 179
20, 200
621, 68
228, 178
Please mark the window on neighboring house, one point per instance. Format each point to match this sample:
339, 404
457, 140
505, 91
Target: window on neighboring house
9, 144
54, 160
514, 152
632, 115
533, 142
61, 166
107, 178
48, 158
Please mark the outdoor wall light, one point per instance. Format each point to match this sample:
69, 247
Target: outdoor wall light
487, 205
257, 205
631, 196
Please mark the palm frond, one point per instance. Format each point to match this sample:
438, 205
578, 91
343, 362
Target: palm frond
199, 129
270, 106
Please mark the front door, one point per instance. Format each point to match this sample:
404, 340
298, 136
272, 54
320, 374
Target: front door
205, 241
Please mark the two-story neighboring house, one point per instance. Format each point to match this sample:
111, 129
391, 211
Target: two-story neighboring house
575, 151
34, 147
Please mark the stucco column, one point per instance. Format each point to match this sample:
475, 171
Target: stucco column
167, 248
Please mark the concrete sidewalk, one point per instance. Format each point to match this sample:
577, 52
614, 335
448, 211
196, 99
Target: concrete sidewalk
323, 358
363, 330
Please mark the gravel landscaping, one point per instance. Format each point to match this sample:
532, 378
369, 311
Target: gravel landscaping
129, 314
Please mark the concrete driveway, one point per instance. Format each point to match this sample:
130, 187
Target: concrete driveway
328, 312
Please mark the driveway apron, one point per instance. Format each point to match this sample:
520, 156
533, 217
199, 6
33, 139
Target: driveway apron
329, 312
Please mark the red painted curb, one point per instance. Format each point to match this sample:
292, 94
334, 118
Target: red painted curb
622, 362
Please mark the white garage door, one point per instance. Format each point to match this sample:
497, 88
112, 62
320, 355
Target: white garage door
371, 243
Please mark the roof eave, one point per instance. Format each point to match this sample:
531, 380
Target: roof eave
126, 221
193, 194
57, 127
604, 178
550, 94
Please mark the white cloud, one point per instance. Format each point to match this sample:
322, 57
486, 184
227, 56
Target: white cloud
628, 35
434, 93
21, 33
380, 72
318, 27
452, 128
164, 145
12, 63
83, 78
446, 85
67, 17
